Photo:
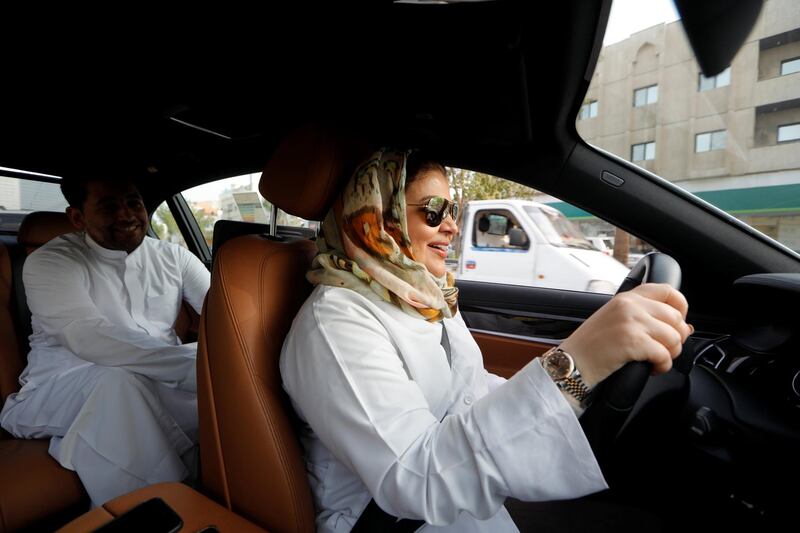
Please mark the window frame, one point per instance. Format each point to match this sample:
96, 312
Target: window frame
713, 80
23, 175
778, 133
787, 61
508, 214
711, 138
193, 235
647, 90
723, 73
151, 212
710, 83
644, 146
186, 223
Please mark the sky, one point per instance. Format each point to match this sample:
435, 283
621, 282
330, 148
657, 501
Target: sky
627, 17
212, 191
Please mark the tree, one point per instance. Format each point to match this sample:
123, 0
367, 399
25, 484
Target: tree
469, 185
206, 222
167, 229
621, 246
164, 224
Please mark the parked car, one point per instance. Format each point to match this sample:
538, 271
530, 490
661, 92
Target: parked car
528, 243
492, 87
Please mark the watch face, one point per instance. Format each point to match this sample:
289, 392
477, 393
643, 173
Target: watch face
558, 365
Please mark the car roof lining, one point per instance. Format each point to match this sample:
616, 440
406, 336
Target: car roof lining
481, 85
467, 80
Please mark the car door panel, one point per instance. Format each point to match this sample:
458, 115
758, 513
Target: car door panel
505, 356
513, 324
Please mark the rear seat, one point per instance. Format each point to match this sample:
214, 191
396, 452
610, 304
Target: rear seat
35, 491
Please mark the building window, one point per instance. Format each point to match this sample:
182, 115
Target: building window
643, 151
588, 110
712, 140
789, 132
722, 79
645, 96
790, 66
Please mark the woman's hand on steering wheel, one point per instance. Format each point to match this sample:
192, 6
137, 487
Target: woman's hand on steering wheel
638, 332
646, 323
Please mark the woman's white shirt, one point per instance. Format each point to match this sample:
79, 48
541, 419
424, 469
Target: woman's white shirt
374, 386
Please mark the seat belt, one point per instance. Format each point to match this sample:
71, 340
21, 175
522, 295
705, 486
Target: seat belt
375, 519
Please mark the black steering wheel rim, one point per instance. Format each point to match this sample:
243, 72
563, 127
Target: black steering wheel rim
614, 398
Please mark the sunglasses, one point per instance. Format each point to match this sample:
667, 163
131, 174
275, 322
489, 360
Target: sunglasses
437, 208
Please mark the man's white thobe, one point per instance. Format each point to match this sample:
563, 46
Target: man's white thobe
107, 377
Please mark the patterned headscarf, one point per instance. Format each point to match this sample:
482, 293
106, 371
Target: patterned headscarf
364, 243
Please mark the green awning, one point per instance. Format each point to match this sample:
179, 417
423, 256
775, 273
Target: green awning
768, 200
570, 211
777, 199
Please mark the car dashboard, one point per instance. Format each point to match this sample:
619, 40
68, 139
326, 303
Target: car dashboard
730, 449
756, 367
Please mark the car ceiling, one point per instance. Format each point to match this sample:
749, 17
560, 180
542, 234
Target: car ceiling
480, 83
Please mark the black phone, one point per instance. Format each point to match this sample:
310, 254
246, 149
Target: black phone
153, 516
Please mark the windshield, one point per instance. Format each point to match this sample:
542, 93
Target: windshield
730, 137
557, 229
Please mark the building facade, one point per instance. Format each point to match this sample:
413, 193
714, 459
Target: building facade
732, 139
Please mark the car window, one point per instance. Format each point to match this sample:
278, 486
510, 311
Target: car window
730, 138
237, 199
557, 229
498, 228
18, 197
163, 224
516, 235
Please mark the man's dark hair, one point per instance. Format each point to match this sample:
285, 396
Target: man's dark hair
418, 163
76, 190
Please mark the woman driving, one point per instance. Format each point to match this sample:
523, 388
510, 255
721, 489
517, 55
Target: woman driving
391, 386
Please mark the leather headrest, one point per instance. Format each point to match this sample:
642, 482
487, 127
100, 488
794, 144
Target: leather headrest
309, 168
41, 226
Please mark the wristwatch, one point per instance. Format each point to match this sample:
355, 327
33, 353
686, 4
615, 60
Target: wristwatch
560, 366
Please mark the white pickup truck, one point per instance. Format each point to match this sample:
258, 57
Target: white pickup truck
528, 243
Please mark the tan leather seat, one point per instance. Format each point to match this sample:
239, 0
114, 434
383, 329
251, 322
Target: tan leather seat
39, 227
36, 229
35, 491
11, 360
251, 460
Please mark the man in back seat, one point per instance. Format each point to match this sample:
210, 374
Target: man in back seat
107, 377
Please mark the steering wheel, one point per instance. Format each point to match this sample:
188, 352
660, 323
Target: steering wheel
614, 398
